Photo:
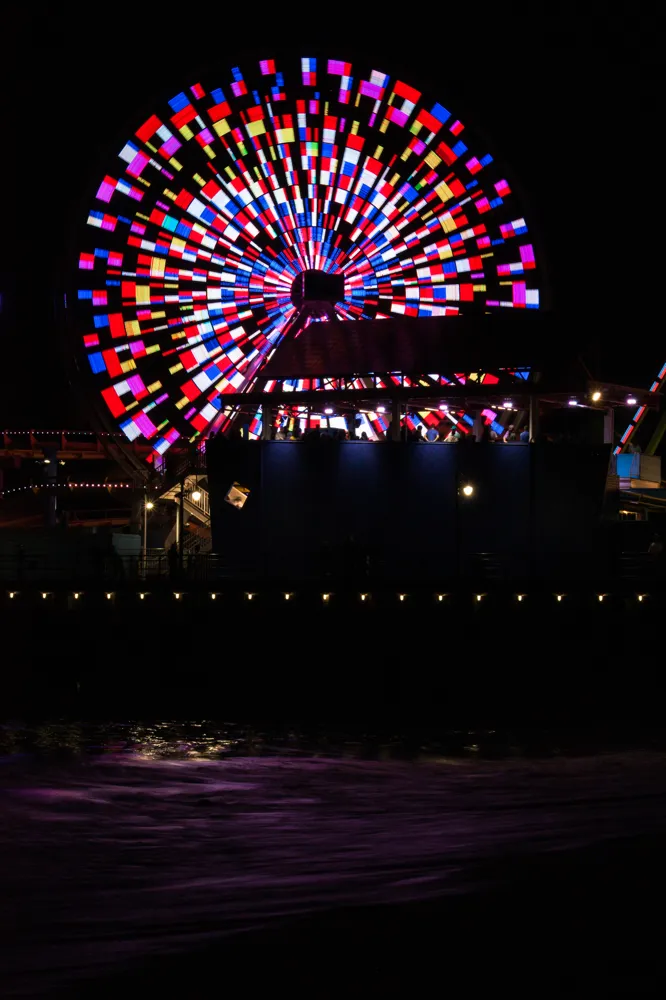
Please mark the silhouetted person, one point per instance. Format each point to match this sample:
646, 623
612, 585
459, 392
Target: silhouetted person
325, 559
525, 436
364, 436
656, 554
431, 434
656, 548
20, 561
355, 560
172, 557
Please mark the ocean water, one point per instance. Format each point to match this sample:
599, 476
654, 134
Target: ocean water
125, 842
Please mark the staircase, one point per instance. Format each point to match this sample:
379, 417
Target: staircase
183, 483
200, 508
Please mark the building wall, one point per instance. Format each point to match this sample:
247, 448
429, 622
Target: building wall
312, 502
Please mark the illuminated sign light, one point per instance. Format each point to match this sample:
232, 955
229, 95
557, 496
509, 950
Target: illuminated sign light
237, 185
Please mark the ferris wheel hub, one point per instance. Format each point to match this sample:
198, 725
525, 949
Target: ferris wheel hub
310, 288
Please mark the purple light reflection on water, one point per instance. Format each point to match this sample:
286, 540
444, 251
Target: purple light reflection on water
111, 858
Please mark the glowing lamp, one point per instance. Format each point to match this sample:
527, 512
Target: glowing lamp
196, 495
468, 490
150, 505
631, 400
177, 596
596, 396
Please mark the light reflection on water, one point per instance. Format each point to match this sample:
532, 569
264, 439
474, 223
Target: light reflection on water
121, 841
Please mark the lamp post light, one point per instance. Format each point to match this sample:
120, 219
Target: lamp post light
147, 505
466, 490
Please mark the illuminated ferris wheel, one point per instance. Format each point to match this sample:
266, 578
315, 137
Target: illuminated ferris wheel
220, 203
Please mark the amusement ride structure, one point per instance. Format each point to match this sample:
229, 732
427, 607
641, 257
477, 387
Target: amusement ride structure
284, 245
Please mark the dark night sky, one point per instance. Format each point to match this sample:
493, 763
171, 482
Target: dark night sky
569, 105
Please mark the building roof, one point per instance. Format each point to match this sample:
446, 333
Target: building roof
405, 344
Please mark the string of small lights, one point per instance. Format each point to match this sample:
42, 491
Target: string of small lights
67, 486
67, 433
326, 597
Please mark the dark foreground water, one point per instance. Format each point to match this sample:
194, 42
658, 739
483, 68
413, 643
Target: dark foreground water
133, 855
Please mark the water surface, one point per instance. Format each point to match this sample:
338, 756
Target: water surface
122, 842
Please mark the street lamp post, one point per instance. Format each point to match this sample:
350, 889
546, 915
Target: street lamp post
147, 505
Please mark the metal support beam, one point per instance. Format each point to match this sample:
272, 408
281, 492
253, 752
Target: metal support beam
609, 426
655, 440
266, 422
181, 524
534, 418
396, 413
